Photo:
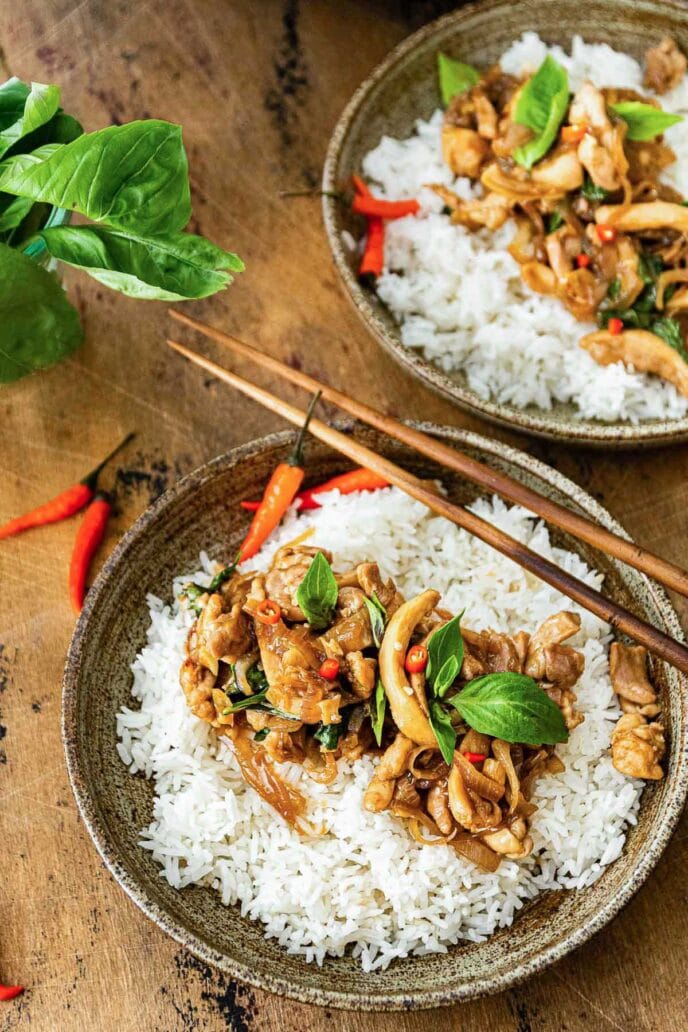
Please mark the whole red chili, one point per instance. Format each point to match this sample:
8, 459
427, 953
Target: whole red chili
583, 260
606, 234
475, 757
329, 669
416, 659
88, 539
8, 992
268, 611
367, 205
359, 479
279, 494
63, 505
615, 326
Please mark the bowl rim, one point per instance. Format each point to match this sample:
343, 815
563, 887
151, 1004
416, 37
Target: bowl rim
589, 432
331, 997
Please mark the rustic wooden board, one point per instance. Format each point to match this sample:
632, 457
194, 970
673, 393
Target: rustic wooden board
257, 87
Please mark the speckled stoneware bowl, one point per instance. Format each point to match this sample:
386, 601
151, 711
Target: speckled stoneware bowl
404, 88
202, 512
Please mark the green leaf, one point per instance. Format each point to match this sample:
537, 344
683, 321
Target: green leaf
131, 176
541, 107
512, 707
172, 267
454, 77
248, 702
261, 735
670, 331
329, 734
644, 121
255, 675
41, 104
38, 326
378, 617
223, 575
443, 730
444, 645
377, 717
15, 213
554, 221
592, 192
317, 593
614, 289
649, 267
13, 94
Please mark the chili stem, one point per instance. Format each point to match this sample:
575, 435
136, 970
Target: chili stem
296, 457
91, 478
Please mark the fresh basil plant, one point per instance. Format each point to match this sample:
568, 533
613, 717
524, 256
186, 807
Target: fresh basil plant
132, 183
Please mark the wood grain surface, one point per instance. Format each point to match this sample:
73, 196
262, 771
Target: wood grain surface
258, 87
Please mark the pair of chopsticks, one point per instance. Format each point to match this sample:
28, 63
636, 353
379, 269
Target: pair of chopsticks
622, 619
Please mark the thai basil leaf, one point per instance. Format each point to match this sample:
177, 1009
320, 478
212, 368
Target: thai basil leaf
592, 192
445, 656
614, 289
261, 735
377, 717
247, 702
131, 176
173, 267
255, 675
554, 220
454, 77
670, 331
38, 326
649, 267
541, 107
317, 593
644, 121
41, 104
329, 734
512, 707
223, 575
378, 617
442, 729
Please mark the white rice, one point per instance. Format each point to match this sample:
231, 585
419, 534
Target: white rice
365, 884
458, 295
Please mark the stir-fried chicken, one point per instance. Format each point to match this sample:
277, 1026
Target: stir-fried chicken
596, 226
286, 687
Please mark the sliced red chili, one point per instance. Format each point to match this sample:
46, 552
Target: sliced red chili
373, 259
8, 992
366, 205
475, 757
416, 659
329, 669
268, 611
583, 260
606, 234
615, 326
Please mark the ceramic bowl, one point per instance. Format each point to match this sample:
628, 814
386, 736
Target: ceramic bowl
404, 88
202, 512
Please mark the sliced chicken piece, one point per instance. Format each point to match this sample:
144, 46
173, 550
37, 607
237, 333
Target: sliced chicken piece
393, 764
665, 66
485, 114
628, 672
636, 218
645, 351
553, 631
637, 747
351, 631
490, 211
361, 671
464, 150
488, 652
560, 172
371, 582
437, 805
506, 842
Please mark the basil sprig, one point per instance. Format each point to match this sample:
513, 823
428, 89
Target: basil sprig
670, 332
644, 120
317, 593
541, 107
445, 656
377, 716
512, 707
329, 734
454, 77
592, 192
378, 618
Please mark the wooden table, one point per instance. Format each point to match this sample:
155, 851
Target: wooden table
257, 87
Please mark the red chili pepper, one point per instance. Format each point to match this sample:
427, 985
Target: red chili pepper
64, 505
615, 326
366, 205
475, 757
88, 539
416, 659
574, 133
8, 992
359, 479
279, 494
583, 260
360, 187
373, 259
268, 611
329, 669
606, 234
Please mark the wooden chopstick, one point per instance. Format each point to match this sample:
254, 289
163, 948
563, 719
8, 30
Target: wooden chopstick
647, 562
652, 638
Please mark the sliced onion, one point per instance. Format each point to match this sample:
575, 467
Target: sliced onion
665, 278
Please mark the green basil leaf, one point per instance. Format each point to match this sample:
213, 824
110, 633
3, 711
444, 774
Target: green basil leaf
317, 593
378, 617
592, 192
512, 707
614, 289
454, 77
541, 107
255, 675
131, 176
172, 267
446, 643
42, 103
248, 702
644, 121
14, 213
329, 734
649, 267
38, 326
261, 735
377, 717
13, 94
443, 730
670, 331
446, 676
554, 220
223, 575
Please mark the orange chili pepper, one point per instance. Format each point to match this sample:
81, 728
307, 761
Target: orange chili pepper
574, 133
606, 234
64, 505
359, 479
329, 669
416, 659
268, 612
615, 326
8, 992
279, 494
88, 539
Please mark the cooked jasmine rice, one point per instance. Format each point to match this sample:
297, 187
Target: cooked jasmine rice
458, 295
364, 883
